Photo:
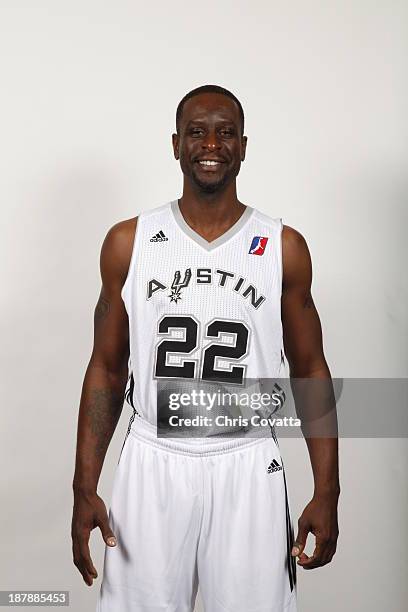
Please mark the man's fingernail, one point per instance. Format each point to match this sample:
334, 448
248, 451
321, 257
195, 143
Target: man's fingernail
295, 551
111, 541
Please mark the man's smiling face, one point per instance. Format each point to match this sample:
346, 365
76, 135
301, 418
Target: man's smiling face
209, 142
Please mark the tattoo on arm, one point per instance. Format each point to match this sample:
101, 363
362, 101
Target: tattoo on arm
308, 303
103, 412
102, 309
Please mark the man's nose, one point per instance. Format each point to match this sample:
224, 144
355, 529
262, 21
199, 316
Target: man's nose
211, 141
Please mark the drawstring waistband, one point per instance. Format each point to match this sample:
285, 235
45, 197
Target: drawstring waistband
201, 447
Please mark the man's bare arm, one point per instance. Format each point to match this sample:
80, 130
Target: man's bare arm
304, 350
102, 395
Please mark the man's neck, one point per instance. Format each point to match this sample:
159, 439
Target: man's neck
211, 212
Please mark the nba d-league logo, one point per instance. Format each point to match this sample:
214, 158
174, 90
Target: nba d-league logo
258, 245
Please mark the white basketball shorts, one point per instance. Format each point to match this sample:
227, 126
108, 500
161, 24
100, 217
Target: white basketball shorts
207, 512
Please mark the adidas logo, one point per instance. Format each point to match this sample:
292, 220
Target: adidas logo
160, 237
274, 466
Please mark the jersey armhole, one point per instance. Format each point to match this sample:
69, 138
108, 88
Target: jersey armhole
129, 275
282, 366
280, 254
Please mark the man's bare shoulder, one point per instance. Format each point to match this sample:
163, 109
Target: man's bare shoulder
295, 254
292, 238
117, 248
121, 235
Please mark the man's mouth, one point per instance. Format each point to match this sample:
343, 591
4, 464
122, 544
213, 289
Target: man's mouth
210, 163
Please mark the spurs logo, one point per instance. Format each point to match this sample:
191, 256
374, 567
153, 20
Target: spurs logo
177, 285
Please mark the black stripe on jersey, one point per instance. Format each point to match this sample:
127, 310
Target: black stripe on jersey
129, 390
129, 399
291, 561
273, 434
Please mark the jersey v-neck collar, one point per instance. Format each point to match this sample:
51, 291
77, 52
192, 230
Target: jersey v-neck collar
202, 242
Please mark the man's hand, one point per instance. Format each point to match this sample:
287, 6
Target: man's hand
320, 518
89, 512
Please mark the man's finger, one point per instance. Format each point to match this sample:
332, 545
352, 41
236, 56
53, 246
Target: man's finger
316, 559
107, 533
328, 553
85, 556
88, 577
80, 564
302, 558
301, 538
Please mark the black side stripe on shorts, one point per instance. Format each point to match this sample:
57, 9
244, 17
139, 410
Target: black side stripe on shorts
291, 561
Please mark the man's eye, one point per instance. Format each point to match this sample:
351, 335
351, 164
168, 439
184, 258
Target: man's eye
227, 132
196, 132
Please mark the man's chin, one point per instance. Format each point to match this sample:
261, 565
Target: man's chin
210, 186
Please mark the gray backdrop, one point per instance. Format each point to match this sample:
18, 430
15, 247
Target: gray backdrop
89, 92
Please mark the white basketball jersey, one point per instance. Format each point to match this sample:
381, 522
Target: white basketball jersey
202, 310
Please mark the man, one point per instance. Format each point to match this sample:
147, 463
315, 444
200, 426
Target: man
201, 288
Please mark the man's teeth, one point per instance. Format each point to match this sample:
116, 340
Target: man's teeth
209, 163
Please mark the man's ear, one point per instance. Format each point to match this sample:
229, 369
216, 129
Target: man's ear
244, 141
175, 140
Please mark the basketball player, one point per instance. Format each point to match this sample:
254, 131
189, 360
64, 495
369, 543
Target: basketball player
175, 282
